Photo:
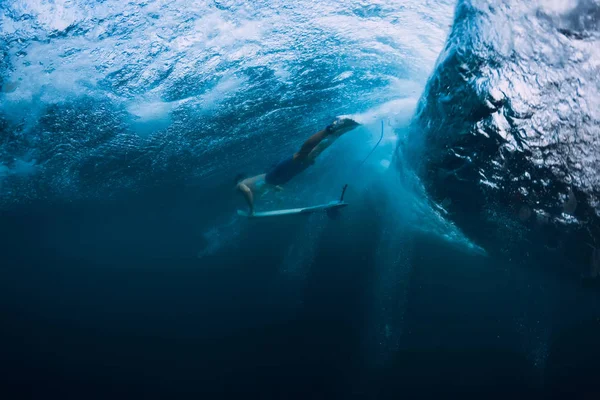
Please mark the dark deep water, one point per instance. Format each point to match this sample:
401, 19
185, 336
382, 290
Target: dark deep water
125, 273
110, 301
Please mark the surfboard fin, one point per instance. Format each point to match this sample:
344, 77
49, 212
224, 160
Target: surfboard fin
343, 192
334, 213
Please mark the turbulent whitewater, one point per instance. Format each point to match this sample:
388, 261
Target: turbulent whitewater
99, 98
507, 134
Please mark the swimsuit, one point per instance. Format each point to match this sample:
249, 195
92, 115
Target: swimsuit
284, 171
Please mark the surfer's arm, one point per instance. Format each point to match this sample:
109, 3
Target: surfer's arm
248, 196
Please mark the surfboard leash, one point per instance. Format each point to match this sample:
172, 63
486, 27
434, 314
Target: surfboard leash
374, 148
343, 192
365, 160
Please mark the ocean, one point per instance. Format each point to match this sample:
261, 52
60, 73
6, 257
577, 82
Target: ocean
126, 271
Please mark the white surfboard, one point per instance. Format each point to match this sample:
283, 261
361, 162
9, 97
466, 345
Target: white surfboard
295, 211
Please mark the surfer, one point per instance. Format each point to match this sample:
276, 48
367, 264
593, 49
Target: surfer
283, 172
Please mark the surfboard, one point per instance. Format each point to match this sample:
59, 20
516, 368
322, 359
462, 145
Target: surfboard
294, 211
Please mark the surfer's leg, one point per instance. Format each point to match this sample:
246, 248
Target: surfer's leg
320, 147
310, 144
321, 140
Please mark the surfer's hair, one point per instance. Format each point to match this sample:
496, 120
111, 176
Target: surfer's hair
240, 177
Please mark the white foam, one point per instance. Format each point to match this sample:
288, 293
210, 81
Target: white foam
557, 6
227, 86
150, 117
20, 167
397, 112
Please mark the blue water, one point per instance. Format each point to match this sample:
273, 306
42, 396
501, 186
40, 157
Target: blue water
126, 272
